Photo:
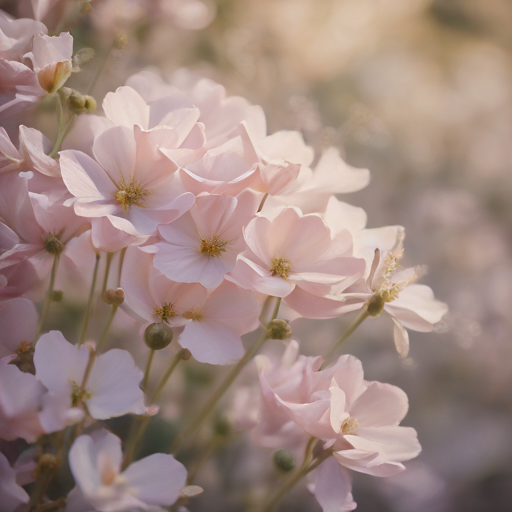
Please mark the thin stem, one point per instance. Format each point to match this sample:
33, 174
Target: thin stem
140, 423
148, 367
88, 368
60, 128
89, 301
107, 326
165, 377
209, 407
260, 207
47, 298
107, 271
121, 261
356, 322
289, 484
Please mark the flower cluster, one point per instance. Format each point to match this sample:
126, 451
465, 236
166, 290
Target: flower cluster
212, 223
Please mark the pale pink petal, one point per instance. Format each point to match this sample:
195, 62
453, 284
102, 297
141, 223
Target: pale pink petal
157, 479
401, 337
11, 494
380, 405
34, 147
332, 487
125, 107
114, 386
18, 318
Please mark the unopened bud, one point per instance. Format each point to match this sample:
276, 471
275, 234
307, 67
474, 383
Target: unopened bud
158, 336
53, 245
111, 296
185, 354
90, 103
279, 329
121, 41
65, 93
375, 305
57, 295
284, 460
76, 102
46, 463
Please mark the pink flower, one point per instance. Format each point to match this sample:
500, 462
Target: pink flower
359, 420
20, 404
51, 60
32, 154
131, 187
95, 462
202, 246
18, 318
38, 227
17, 36
212, 323
11, 493
112, 388
294, 253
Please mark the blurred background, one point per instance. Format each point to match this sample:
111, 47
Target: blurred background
419, 92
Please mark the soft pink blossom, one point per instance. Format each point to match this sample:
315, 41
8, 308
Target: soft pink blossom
203, 245
112, 388
12, 495
359, 420
20, 404
95, 462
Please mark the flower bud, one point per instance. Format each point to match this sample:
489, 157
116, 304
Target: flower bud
76, 102
185, 354
158, 336
279, 329
90, 103
46, 463
284, 460
57, 295
113, 296
375, 305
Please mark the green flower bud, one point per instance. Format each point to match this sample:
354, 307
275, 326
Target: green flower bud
376, 305
284, 461
90, 103
46, 463
279, 329
158, 336
76, 102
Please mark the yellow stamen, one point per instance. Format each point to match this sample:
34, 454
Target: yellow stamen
193, 314
165, 312
213, 247
130, 194
78, 395
281, 267
350, 426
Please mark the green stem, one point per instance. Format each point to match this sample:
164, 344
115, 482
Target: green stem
107, 327
107, 271
121, 261
47, 298
140, 423
146, 373
89, 302
60, 128
356, 322
212, 403
289, 484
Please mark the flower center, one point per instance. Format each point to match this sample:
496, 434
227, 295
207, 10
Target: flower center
165, 312
212, 247
130, 194
52, 243
78, 395
350, 426
193, 314
281, 267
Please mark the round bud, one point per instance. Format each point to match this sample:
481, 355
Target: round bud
375, 305
118, 297
47, 462
185, 354
76, 102
57, 295
158, 336
53, 245
284, 461
279, 329
108, 296
90, 103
